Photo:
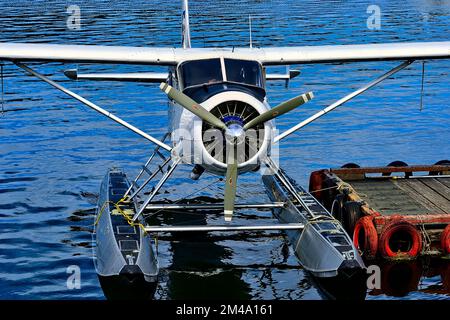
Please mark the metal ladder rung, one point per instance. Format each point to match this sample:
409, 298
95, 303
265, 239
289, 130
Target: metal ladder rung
161, 155
135, 184
150, 178
147, 170
166, 175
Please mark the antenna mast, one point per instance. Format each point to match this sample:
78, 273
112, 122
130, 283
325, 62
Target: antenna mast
185, 28
250, 29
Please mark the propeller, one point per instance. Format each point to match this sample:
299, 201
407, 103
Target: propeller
230, 183
234, 133
192, 106
280, 109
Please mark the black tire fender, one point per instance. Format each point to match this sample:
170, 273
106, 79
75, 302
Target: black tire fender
351, 213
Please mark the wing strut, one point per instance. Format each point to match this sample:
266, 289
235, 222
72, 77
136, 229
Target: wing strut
342, 101
3, 89
94, 106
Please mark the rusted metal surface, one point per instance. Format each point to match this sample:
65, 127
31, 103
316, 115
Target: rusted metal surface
424, 219
431, 224
416, 168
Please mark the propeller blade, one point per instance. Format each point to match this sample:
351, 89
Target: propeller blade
280, 109
191, 105
230, 184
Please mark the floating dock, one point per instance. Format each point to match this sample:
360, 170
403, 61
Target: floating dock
393, 212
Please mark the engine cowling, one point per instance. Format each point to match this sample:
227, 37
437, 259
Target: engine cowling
200, 143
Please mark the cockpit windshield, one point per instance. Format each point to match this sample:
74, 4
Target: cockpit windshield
209, 71
242, 71
200, 72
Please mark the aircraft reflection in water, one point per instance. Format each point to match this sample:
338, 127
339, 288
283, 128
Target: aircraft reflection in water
209, 275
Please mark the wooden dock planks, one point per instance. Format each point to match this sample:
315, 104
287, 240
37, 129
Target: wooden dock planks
427, 195
406, 196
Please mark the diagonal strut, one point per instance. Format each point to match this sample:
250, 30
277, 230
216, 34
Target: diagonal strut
93, 106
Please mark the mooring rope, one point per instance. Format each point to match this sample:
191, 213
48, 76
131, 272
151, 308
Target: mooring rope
127, 217
425, 235
324, 189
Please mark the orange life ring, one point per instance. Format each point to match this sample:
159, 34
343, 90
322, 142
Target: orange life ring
400, 239
365, 237
445, 240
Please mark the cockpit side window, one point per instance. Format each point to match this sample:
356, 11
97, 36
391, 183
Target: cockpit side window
247, 72
201, 72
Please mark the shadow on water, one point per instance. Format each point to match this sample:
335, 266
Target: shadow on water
341, 287
125, 288
425, 277
197, 270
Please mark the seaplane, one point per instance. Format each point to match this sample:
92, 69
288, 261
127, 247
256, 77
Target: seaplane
220, 122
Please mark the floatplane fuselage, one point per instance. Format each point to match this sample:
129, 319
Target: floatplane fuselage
234, 92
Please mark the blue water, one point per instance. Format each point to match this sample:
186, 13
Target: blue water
55, 152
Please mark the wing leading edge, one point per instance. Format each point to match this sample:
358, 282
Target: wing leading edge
87, 53
267, 56
361, 52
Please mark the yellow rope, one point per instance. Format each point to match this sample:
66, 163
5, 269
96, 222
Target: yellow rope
100, 212
127, 217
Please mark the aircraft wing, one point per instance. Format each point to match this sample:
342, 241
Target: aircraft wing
361, 52
87, 53
267, 56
